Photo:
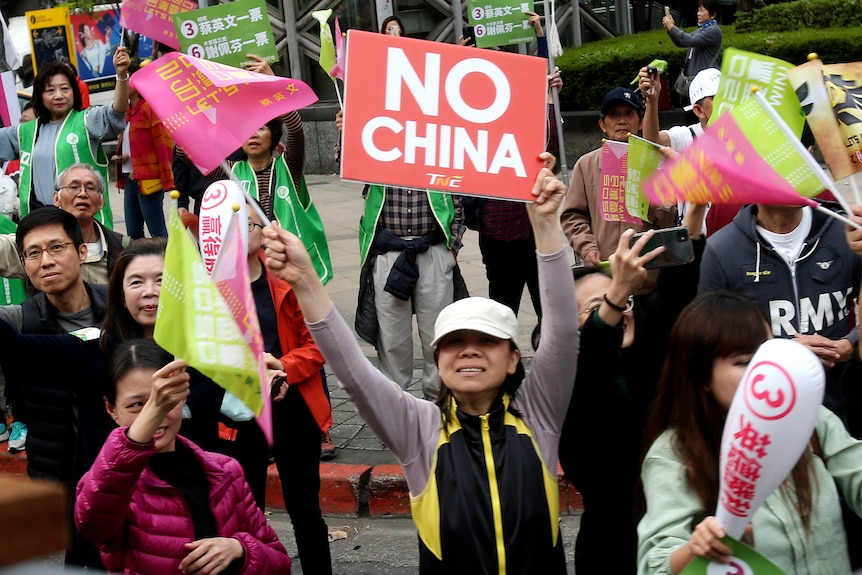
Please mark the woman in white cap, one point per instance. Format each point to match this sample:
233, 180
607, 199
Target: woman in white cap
481, 464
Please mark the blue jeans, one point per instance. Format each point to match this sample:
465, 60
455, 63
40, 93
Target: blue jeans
140, 208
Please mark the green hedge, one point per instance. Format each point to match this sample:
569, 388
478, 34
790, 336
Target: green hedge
590, 71
801, 15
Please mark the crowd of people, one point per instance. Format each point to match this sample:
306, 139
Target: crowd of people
634, 370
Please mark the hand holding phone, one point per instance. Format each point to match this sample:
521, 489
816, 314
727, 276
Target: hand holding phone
667, 10
678, 249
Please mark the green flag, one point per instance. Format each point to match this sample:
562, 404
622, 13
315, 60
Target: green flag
741, 71
644, 158
792, 163
327, 46
194, 323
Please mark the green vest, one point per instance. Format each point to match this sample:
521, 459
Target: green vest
12, 291
442, 207
72, 147
294, 212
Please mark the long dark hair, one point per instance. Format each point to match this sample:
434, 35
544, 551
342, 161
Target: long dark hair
118, 325
713, 326
40, 84
131, 355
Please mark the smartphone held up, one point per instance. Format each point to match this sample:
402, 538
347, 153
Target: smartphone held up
677, 247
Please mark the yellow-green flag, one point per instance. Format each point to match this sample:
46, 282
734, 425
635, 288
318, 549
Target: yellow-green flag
741, 71
194, 322
327, 46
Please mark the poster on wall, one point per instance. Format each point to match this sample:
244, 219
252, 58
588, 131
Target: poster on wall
97, 36
50, 36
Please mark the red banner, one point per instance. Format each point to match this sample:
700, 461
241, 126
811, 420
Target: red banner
451, 118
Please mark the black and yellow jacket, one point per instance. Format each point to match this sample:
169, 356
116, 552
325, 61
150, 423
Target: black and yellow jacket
484, 491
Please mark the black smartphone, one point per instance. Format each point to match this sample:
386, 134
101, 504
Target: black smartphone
276, 386
470, 35
677, 244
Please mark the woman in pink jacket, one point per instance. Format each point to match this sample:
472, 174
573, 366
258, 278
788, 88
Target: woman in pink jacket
156, 503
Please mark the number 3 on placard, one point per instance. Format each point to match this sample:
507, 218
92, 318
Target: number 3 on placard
189, 28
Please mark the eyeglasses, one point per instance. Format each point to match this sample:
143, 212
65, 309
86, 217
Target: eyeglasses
594, 305
53, 250
91, 189
252, 225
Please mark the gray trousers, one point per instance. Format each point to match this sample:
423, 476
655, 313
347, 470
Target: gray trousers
433, 292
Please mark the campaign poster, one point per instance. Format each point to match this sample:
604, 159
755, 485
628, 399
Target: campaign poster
226, 33
500, 22
97, 36
444, 117
50, 36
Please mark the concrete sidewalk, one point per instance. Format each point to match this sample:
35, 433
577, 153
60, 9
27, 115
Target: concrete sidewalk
364, 478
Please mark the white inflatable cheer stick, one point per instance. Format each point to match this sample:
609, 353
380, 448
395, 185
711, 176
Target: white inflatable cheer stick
216, 210
768, 427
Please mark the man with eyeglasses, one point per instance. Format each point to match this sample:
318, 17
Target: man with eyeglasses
80, 191
51, 249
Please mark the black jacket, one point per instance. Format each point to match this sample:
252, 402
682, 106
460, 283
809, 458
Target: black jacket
47, 388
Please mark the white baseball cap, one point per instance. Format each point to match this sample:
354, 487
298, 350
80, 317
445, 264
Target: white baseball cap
477, 314
704, 84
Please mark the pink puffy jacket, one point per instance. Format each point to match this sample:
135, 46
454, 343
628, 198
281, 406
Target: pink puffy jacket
141, 523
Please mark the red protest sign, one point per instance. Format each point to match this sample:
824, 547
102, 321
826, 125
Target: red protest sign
431, 115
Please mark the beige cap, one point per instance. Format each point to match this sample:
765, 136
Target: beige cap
477, 314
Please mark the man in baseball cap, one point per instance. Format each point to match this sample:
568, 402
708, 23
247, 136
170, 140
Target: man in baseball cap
592, 238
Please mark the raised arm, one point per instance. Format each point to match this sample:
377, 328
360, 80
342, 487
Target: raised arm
650, 87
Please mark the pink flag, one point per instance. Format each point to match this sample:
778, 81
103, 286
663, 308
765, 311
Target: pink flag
721, 167
155, 19
233, 280
612, 189
211, 109
338, 70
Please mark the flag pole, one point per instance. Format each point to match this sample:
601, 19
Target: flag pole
550, 21
821, 174
337, 92
835, 215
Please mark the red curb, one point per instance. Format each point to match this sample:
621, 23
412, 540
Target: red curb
387, 492
352, 490
13, 463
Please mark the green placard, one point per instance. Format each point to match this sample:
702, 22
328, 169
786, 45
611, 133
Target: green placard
225, 33
500, 22
644, 158
745, 561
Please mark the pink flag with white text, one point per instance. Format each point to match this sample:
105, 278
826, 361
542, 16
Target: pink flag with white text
155, 19
233, 280
721, 167
211, 109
